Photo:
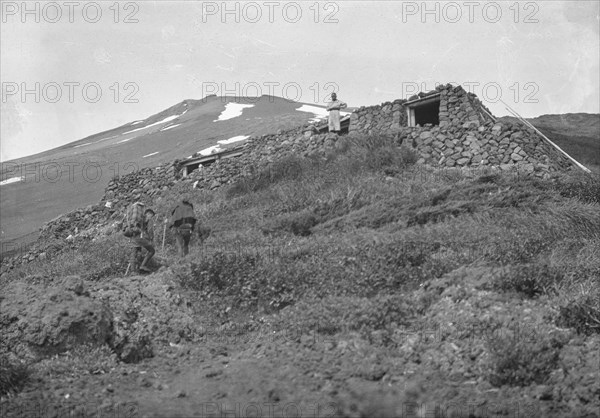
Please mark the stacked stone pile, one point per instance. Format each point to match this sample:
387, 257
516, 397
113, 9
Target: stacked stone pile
140, 185
493, 144
75, 221
458, 107
259, 152
386, 118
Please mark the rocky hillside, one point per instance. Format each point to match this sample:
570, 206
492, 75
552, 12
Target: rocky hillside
387, 272
349, 281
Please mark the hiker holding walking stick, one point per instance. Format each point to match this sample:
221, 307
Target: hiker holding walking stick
139, 228
183, 219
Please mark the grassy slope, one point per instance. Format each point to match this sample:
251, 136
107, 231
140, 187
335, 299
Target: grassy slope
352, 260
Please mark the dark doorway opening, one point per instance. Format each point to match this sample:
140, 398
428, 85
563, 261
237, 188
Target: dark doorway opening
427, 113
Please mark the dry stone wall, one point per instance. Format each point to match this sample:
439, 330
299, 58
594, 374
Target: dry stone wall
386, 118
142, 185
261, 151
493, 144
457, 107
461, 108
467, 135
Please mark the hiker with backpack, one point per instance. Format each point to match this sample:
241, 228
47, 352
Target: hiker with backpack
183, 219
139, 228
334, 113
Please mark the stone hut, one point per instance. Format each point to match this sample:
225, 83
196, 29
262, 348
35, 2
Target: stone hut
450, 127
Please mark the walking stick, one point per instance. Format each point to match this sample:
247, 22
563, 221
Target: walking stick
164, 232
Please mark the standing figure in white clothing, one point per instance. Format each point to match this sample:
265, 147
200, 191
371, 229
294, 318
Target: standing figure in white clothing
334, 113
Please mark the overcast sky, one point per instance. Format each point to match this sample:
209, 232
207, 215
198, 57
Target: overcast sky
138, 58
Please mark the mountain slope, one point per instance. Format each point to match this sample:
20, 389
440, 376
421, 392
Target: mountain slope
37, 188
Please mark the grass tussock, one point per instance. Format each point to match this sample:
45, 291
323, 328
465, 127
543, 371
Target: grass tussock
530, 280
520, 362
345, 314
580, 309
81, 360
585, 187
14, 375
95, 260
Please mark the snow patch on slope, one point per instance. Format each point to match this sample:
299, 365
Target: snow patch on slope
232, 110
319, 112
233, 139
11, 180
166, 128
95, 142
165, 120
211, 150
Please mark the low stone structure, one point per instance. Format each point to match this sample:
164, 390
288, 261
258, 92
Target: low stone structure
141, 185
386, 118
261, 151
467, 134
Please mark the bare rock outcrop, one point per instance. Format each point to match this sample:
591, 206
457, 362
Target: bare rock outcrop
41, 317
39, 321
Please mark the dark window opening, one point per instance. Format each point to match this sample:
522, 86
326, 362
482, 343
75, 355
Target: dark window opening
189, 168
427, 113
192, 167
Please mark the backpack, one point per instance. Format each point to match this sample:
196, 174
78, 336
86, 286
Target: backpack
184, 214
134, 220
